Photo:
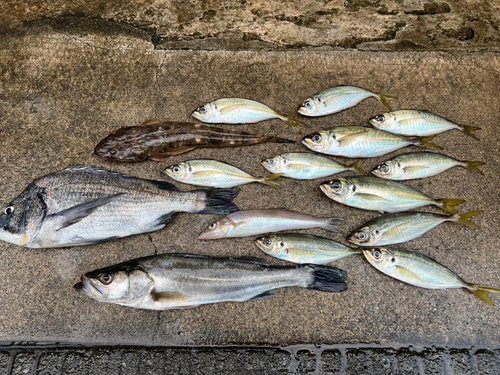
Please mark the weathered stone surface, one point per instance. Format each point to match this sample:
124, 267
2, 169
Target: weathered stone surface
63, 89
240, 24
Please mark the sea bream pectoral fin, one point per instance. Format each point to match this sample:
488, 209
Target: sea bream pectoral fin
76, 213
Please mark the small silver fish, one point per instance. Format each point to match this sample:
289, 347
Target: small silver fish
420, 165
239, 111
307, 166
254, 222
416, 269
303, 248
376, 194
418, 123
213, 173
405, 226
359, 142
88, 205
178, 281
337, 99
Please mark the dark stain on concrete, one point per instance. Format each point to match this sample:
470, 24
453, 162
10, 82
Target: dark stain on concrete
431, 9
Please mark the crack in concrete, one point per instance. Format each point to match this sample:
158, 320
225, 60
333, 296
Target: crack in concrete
160, 67
154, 245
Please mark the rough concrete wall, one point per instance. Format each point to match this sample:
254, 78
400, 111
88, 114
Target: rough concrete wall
241, 24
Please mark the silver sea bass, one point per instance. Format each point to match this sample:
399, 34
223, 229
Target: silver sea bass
420, 165
359, 142
176, 281
337, 99
213, 173
418, 123
254, 222
239, 111
87, 205
303, 248
375, 194
401, 227
307, 166
416, 269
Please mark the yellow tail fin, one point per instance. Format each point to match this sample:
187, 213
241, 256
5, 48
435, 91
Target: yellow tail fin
424, 142
461, 218
294, 123
269, 180
481, 290
356, 165
466, 129
383, 100
448, 205
472, 166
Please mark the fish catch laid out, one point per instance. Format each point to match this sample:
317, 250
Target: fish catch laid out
88, 205
421, 165
155, 140
178, 281
418, 123
240, 111
304, 248
337, 99
307, 166
254, 222
405, 226
376, 194
359, 142
419, 270
213, 173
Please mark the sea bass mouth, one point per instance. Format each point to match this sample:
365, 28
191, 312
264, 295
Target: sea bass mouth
87, 288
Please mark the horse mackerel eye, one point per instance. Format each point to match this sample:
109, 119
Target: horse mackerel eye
176, 169
377, 254
336, 185
271, 161
202, 110
316, 138
267, 241
307, 104
380, 118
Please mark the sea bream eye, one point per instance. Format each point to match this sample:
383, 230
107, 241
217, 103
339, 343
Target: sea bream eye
106, 278
8, 210
202, 110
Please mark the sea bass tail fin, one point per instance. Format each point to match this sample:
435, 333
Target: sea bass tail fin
472, 166
294, 123
481, 290
424, 142
449, 205
467, 129
219, 201
332, 224
383, 99
327, 279
269, 180
462, 218
355, 167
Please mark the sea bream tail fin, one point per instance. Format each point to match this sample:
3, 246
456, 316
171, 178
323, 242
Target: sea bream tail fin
383, 99
219, 201
472, 166
462, 218
424, 142
481, 290
449, 205
355, 167
269, 180
76, 213
332, 223
327, 279
467, 129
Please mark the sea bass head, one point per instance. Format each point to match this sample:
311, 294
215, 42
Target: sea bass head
218, 229
272, 245
365, 236
206, 113
21, 219
180, 172
125, 284
381, 258
277, 164
389, 170
321, 141
311, 107
339, 189
384, 121
125, 144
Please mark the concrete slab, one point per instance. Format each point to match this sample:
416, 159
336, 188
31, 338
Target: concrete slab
63, 89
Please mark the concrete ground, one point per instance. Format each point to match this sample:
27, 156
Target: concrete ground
66, 85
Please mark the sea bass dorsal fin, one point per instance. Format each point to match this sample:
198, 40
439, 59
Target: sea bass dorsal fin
405, 273
164, 185
169, 297
76, 213
372, 197
152, 121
